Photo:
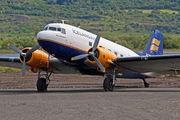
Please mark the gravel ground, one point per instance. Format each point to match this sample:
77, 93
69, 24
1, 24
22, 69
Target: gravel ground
13, 80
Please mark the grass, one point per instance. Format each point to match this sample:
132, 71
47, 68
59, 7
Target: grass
9, 69
170, 75
7, 51
161, 11
146, 11
26, 84
171, 50
169, 11
77, 74
11, 35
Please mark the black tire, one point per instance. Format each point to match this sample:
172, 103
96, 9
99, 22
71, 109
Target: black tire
108, 84
41, 85
146, 85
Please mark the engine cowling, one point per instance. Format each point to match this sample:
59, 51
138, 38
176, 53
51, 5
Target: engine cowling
38, 59
103, 55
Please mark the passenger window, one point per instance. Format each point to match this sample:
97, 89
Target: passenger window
90, 43
52, 28
63, 31
115, 53
58, 29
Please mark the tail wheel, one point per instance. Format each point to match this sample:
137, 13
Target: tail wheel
41, 85
108, 84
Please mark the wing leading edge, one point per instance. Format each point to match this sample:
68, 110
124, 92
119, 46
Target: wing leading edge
10, 60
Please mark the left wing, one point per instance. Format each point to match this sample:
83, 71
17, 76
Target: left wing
10, 60
158, 63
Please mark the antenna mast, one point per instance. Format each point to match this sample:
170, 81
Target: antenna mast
64, 21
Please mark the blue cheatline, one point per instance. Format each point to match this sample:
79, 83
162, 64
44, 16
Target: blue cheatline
60, 51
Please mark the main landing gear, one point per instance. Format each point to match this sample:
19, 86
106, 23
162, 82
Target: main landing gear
109, 80
146, 84
43, 81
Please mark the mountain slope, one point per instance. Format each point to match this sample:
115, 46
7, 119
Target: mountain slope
22, 17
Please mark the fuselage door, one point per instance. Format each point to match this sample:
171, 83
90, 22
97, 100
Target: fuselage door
61, 35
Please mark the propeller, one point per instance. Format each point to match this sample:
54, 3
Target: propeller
24, 55
92, 53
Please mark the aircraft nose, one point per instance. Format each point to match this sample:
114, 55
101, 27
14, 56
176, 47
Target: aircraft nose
39, 35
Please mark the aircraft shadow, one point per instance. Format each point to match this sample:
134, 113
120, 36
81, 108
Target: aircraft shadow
86, 90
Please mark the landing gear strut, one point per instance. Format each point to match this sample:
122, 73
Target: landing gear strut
109, 80
42, 83
146, 84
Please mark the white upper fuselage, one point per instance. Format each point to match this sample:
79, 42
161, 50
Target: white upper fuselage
77, 39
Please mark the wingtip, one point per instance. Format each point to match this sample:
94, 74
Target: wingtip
8, 44
72, 59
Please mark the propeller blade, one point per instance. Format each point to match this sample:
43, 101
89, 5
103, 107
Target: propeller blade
15, 48
24, 67
99, 63
33, 49
96, 42
79, 57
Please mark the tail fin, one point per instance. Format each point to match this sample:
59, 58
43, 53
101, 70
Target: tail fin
154, 46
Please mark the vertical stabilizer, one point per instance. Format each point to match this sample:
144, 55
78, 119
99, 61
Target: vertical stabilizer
154, 46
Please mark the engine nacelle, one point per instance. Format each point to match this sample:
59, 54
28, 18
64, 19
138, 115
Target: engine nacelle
103, 55
38, 59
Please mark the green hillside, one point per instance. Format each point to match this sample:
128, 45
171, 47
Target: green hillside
119, 20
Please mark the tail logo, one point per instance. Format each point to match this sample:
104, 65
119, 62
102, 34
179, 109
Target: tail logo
154, 45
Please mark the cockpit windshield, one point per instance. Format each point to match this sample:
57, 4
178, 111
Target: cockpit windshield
55, 28
46, 27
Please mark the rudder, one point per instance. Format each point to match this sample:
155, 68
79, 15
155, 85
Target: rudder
154, 46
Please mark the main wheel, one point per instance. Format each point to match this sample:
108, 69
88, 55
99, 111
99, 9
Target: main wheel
108, 84
41, 85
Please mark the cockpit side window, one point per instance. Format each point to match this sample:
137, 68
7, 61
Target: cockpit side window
45, 28
52, 28
58, 29
63, 31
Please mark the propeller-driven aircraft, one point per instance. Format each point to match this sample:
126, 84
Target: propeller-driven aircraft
70, 49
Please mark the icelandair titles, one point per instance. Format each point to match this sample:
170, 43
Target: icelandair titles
83, 34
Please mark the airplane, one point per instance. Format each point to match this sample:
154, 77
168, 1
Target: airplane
68, 49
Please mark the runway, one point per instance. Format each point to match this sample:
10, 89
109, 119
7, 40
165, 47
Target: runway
90, 104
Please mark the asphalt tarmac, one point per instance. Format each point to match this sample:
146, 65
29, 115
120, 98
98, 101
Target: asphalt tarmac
90, 104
